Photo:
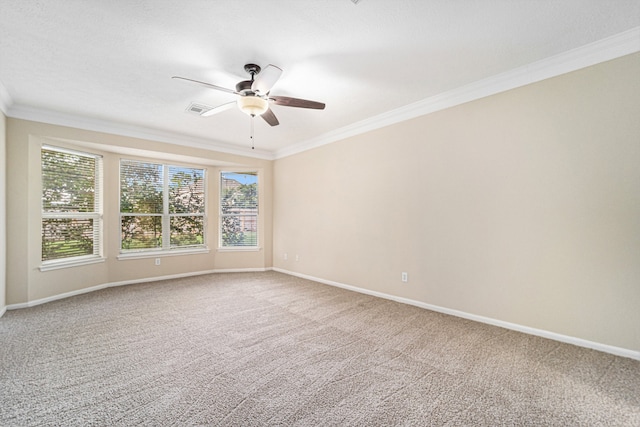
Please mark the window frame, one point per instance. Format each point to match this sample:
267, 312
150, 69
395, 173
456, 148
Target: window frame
221, 215
166, 249
97, 215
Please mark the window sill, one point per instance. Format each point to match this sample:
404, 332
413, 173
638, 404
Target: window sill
240, 249
56, 265
160, 254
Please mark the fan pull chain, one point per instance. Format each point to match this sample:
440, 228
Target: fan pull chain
252, 143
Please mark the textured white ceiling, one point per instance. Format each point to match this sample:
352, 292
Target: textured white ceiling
111, 62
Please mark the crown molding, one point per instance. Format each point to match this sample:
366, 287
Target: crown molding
613, 47
5, 100
609, 48
96, 125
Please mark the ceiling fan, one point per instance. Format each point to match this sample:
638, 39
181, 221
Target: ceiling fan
254, 95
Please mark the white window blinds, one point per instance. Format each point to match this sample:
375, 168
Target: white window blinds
238, 209
71, 205
162, 207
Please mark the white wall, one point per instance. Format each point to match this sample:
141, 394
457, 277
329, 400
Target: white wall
522, 207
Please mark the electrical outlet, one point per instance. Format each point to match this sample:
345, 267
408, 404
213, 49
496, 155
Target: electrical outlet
157, 261
297, 257
285, 257
405, 277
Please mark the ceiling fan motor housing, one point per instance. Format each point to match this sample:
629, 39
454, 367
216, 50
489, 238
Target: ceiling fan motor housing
244, 87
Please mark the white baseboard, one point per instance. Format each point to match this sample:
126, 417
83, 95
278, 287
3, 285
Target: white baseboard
124, 283
242, 270
618, 351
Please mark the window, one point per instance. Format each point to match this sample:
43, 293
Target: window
162, 207
238, 209
71, 206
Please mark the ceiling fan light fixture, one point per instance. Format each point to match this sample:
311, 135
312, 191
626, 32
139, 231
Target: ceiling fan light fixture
252, 105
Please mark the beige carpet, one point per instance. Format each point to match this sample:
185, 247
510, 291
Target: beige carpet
271, 349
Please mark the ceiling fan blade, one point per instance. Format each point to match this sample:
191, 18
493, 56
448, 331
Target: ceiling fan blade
205, 84
266, 79
286, 101
219, 109
270, 118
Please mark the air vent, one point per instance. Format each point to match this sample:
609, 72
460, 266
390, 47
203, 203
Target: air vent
197, 109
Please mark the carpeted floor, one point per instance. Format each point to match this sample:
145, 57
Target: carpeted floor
271, 349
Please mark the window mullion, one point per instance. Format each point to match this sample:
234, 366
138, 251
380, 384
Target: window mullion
166, 223
98, 234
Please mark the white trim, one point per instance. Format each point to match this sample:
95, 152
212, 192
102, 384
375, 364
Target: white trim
124, 283
609, 48
160, 254
5, 99
77, 262
61, 119
239, 249
244, 270
618, 351
616, 46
